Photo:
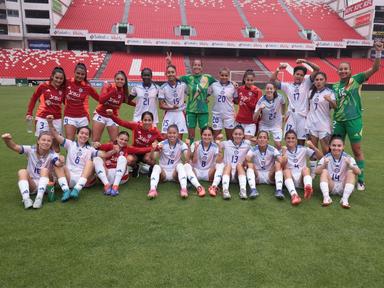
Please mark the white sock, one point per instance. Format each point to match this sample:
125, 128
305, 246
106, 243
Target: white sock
63, 183
218, 174
120, 169
348, 189
307, 180
155, 176
242, 182
191, 176
181, 175
325, 190
42, 185
290, 186
24, 189
312, 167
80, 184
251, 178
100, 170
279, 180
226, 180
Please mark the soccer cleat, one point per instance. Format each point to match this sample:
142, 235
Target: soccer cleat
226, 195
74, 194
308, 190
114, 190
66, 195
243, 194
27, 203
344, 204
279, 194
254, 193
38, 203
201, 191
107, 189
152, 194
360, 186
326, 202
184, 193
213, 190
295, 200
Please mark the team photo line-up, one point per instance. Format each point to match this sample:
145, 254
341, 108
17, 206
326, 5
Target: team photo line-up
244, 157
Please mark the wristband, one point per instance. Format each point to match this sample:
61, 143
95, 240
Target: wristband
378, 55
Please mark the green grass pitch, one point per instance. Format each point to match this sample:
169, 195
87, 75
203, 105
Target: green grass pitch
129, 241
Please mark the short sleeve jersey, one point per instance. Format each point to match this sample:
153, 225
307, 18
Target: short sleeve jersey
146, 101
297, 159
297, 95
319, 118
271, 115
263, 161
224, 95
235, 153
338, 168
77, 156
170, 155
206, 158
174, 95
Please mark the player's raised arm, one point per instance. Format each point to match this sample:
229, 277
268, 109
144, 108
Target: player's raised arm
314, 66
7, 138
376, 64
60, 139
274, 76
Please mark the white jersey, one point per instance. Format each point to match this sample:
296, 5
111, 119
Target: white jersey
146, 100
271, 115
338, 168
77, 156
263, 161
206, 158
170, 155
297, 159
319, 117
224, 95
36, 162
173, 95
297, 95
233, 153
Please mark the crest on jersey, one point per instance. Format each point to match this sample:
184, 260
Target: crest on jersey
79, 153
236, 152
149, 135
60, 92
316, 100
39, 164
146, 94
295, 160
249, 93
336, 170
80, 90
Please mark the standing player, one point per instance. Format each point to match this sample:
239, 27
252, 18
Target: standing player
337, 172
271, 107
348, 113
76, 110
171, 99
297, 93
223, 111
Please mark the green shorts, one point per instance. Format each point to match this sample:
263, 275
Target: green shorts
193, 118
353, 128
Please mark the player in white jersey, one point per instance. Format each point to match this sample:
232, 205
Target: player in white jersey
171, 99
170, 167
206, 163
295, 167
223, 110
297, 93
234, 157
337, 172
270, 108
146, 95
264, 162
41, 161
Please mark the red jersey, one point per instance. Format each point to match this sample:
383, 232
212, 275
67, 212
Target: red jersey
51, 100
76, 99
111, 162
111, 97
141, 136
248, 98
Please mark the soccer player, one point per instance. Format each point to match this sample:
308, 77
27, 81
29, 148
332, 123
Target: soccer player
223, 111
297, 93
348, 112
41, 160
264, 166
51, 95
295, 167
76, 110
234, 155
170, 167
113, 171
171, 99
146, 95
337, 172
248, 95
271, 108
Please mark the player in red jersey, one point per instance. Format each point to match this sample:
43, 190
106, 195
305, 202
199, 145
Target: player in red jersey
76, 110
248, 95
115, 162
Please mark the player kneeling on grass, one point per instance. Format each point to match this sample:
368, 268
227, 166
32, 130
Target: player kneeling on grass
78, 170
114, 170
234, 156
206, 163
170, 167
264, 166
41, 160
337, 172
295, 168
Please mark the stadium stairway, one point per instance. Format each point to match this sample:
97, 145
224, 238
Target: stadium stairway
289, 12
242, 15
127, 5
103, 65
187, 64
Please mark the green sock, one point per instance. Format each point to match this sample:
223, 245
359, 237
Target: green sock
361, 165
191, 140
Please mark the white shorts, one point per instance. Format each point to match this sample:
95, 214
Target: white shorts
168, 174
202, 174
263, 177
296, 122
249, 129
297, 178
42, 126
220, 121
105, 120
276, 132
74, 178
338, 188
77, 122
319, 134
174, 117
111, 173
